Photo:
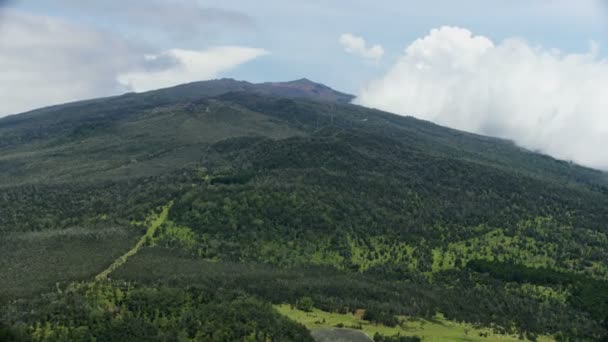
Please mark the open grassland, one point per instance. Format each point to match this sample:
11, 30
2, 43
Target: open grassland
438, 329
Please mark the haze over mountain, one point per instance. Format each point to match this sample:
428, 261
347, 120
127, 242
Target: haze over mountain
226, 210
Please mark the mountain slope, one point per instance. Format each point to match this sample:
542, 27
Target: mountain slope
149, 133
108, 136
282, 192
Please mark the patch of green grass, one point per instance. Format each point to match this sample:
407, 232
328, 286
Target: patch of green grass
438, 329
171, 235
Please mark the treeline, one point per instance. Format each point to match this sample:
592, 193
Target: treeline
124, 312
462, 296
512, 272
45, 207
588, 294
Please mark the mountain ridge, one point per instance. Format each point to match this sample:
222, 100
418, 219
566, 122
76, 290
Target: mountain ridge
215, 87
196, 113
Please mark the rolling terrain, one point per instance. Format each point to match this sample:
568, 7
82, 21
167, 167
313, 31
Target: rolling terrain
225, 210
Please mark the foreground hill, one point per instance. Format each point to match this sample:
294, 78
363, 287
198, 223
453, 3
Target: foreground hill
283, 193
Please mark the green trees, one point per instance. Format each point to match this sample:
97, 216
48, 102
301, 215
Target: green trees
394, 216
305, 304
10, 334
397, 338
379, 316
154, 314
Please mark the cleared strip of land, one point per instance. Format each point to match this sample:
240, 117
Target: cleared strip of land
153, 223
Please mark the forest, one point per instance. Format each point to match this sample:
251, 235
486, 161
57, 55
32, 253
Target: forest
392, 217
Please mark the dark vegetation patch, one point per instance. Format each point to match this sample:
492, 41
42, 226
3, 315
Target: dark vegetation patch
122, 312
32, 263
587, 294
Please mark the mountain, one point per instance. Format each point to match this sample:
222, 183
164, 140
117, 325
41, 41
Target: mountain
121, 136
228, 197
148, 133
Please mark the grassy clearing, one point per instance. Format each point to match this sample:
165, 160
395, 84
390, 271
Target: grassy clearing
169, 234
439, 329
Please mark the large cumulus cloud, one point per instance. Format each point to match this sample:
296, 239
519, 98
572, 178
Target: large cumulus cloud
541, 98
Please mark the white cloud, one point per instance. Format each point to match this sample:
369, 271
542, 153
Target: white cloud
192, 65
47, 61
358, 46
541, 98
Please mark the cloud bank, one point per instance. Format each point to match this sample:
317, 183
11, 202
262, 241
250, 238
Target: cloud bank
541, 98
358, 46
47, 61
191, 65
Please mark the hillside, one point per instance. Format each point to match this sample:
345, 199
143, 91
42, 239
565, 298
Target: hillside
247, 195
149, 133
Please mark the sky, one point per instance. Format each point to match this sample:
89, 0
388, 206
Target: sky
533, 71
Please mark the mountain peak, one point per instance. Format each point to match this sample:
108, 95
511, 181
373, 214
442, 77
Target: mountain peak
304, 87
300, 88
302, 81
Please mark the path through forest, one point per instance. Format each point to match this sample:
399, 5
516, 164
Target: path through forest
153, 223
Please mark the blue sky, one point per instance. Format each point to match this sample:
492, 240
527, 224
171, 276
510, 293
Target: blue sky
301, 36
529, 70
